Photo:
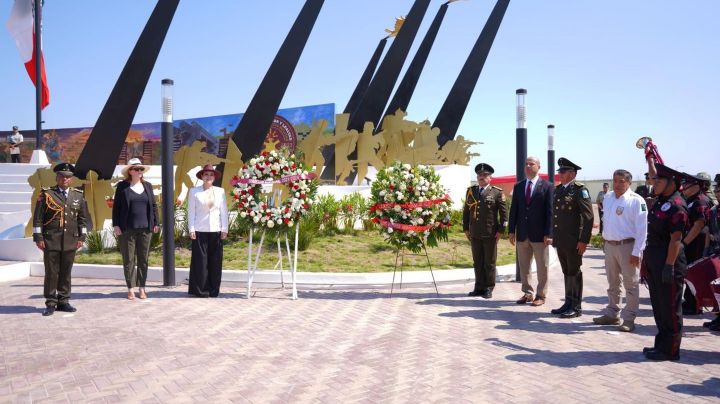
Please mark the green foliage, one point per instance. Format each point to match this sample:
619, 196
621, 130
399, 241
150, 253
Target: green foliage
353, 208
597, 241
95, 242
325, 211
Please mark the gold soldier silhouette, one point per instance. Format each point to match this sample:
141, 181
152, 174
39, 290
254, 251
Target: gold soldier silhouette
425, 145
310, 147
344, 145
367, 146
233, 164
456, 151
187, 158
484, 219
394, 131
40, 179
572, 225
59, 230
96, 193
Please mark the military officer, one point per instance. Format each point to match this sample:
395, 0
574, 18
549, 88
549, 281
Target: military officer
484, 220
572, 225
59, 230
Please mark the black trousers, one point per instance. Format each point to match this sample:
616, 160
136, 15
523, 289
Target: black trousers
206, 264
666, 299
58, 269
600, 215
15, 158
484, 252
571, 261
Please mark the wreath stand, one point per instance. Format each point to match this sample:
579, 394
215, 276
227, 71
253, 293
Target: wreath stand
401, 254
292, 260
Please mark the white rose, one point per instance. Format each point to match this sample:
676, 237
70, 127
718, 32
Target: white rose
407, 166
256, 219
243, 214
279, 221
397, 208
390, 230
270, 224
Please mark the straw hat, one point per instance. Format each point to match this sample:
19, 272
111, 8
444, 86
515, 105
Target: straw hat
133, 163
208, 167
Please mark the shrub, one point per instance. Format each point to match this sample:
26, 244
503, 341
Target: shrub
95, 242
325, 212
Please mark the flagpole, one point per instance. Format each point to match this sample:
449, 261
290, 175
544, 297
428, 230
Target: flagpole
38, 74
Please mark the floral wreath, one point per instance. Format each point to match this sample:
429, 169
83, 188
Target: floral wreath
410, 206
273, 168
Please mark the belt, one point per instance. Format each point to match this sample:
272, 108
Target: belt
621, 242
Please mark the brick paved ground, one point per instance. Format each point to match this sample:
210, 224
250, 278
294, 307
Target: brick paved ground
338, 346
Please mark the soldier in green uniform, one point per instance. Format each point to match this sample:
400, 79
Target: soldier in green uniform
59, 230
484, 220
572, 225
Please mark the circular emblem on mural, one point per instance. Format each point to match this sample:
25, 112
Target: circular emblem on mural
282, 135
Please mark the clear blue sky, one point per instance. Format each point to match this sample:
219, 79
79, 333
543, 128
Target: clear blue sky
605, 72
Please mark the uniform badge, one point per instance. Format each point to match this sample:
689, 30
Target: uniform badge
619, 210
585, 194
666, 206
643, 207
691, 204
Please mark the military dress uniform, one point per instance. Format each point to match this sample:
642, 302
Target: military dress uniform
667, 216
572, 223
59, 221
484, 215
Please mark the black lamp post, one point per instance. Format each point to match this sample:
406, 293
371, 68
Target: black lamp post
168, 205
520, 148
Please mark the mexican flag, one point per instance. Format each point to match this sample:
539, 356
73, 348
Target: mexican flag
21, 25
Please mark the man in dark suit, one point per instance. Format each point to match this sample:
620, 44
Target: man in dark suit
484, 220
530, 227
59, 230
572, 227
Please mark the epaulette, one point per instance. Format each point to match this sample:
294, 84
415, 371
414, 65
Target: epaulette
77, 190
558, 185
580, 184
43, 189
494, 187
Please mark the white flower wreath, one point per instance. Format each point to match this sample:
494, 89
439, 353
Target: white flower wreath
270, 168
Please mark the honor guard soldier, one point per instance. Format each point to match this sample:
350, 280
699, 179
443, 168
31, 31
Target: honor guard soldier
572, 224
484, 220
59, 230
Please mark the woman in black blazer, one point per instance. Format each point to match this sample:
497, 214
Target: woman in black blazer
134, 219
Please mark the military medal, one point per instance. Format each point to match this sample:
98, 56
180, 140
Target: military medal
619, 210
666, 206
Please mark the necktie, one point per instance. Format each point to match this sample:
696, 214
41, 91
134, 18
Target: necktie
480, 191
528, 193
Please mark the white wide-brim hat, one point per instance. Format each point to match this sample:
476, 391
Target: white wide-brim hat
133, 163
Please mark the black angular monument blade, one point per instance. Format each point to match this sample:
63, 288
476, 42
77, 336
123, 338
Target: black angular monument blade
366, 77
106, 140
252, 130
405, 90
453, 109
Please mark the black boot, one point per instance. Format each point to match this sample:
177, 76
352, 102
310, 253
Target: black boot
568, 299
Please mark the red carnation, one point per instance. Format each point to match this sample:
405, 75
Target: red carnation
250, 191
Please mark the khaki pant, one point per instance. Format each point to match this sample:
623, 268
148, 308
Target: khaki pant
619, 270
526, 250
135, 248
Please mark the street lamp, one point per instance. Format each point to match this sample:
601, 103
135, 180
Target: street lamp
168, 205
551, 153
520, 149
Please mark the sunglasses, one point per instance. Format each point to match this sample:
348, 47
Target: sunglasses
139, 169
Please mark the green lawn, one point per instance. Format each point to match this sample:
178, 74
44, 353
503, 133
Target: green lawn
364, 251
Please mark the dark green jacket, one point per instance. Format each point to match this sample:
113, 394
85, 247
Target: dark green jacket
484, 215
572, 216
58, 221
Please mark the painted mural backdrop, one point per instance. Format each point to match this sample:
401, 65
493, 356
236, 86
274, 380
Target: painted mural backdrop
65, 144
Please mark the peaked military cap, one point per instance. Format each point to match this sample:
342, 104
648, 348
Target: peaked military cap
717, 180
484, 168
565, 164
702, 179
65, 169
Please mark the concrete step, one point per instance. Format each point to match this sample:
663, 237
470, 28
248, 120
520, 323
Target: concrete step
15, 207
14, 197
19, 169
14, 187
11, 178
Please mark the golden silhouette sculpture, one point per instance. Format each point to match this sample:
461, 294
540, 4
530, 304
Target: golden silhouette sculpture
233, 164
97, 192
457, 151
367, 147
310, 148
345, 141
187, 158
396, 29
41, 178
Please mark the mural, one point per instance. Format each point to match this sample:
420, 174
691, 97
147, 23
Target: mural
143, 139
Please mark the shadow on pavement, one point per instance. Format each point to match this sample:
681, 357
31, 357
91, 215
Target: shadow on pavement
594, 358
708, 388
375, 294
19, 309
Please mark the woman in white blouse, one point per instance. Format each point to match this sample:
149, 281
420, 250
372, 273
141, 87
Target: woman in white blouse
208, 225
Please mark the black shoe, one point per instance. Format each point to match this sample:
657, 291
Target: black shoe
570, 313
66, 307
648, 349
561, 309
654, 355
49, 311
475, 293
487, 294
710, 323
